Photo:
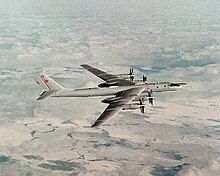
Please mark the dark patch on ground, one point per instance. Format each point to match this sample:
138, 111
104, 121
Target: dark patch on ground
70, 135
102, 145
105, 132
34, 157
214, 120
163, 171
217, 132
68, 122
172, 155
6, 159
216, 126
185, 117
49, 131
34, 132
61, 165
187, 129
73, 174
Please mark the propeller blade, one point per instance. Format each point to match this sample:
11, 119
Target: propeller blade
151, 99
141, 102
131, 74
142, 108
144, 79
131, 71
150, 93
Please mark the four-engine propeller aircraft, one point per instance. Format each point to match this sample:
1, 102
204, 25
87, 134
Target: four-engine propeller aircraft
124, 92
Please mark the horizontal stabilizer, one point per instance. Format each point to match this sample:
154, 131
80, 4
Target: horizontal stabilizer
46, 94
51, 85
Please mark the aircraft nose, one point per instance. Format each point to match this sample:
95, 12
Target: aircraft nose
176, 85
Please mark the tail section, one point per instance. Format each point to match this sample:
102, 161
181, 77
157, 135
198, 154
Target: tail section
46, 94
49, 83
52, 86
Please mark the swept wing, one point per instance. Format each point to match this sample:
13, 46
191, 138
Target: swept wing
108, 77
116, 105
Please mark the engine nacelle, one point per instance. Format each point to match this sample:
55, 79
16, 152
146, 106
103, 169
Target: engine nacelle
109, 100
106, 84
138, 81
133, 106
125, 76
143, 98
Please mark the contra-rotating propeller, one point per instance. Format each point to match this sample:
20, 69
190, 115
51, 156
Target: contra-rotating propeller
142, 107
131, 74
150, 93
144, 79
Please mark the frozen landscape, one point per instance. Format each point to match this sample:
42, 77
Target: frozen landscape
169, 40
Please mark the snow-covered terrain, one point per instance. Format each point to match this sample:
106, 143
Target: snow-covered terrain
169, 40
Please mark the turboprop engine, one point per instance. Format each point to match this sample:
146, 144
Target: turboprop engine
131, 107
140, 106
145, 97
141, 81
108, 84
129, 75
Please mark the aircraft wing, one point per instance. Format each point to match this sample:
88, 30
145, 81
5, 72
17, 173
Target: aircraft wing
124, 98
46, 94
101, 74
107, 77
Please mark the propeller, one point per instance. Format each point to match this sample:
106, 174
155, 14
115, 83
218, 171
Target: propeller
144, 79
150, 93
131, 74
131, 71
142, 107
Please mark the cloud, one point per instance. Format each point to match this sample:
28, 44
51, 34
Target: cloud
166, 42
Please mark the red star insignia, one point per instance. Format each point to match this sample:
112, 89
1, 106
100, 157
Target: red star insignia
46, 81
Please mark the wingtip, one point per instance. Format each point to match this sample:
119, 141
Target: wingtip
94, 125
84, 65
39, 98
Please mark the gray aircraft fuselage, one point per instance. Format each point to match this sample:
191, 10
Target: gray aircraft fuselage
90, 92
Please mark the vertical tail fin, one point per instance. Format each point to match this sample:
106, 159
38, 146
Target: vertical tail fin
49, 83
52, 86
